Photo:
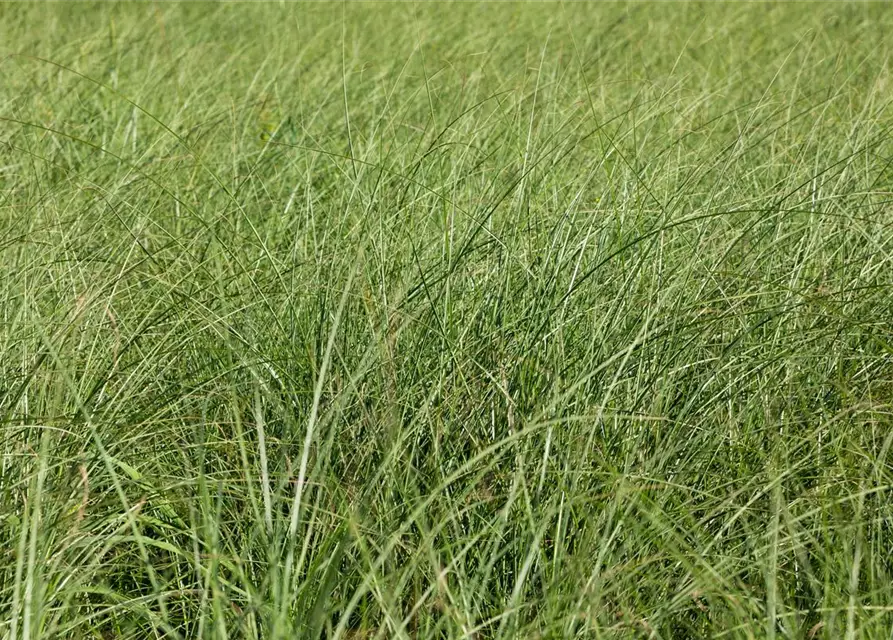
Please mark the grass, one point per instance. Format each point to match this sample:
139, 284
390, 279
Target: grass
441, 321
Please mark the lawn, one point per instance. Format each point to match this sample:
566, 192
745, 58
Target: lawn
383, 320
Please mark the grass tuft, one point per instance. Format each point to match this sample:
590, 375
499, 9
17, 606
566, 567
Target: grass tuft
446, 321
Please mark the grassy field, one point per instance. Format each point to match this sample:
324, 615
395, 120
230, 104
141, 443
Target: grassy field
446, 321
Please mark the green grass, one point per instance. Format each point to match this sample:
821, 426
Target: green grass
446, 321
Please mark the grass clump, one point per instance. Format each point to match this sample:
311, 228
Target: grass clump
467, 320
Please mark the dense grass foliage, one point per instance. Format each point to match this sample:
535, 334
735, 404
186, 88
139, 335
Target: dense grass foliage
481, 321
